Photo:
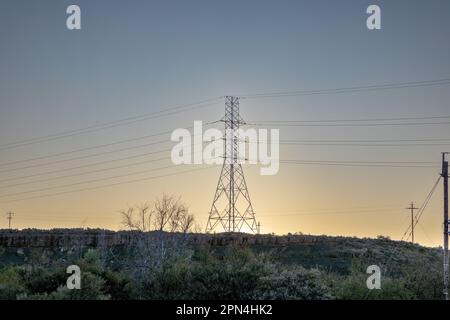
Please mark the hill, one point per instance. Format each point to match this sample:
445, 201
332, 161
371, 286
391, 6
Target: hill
284, 267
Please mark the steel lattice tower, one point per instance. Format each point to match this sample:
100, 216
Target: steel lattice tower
231, 207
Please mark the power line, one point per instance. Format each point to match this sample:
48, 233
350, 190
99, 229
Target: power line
199, 104
390, 86
264, 214
363, 120
362, 140
426, 233
85, 166
165, 158
363, 162
425, 204
363, 210
354, 208
85, 182
167, 132
109, 125
311, 162
94, 164
84, 149
367, 144
177, 109
83, 173
107, 185
68, 219
286, 142
97, 147
292, 124
358, 143
88, 156
325, 163
421, 209
324, 213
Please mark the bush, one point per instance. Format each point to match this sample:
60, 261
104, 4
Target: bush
92, 288
149, 270
11, 284
354, 287
293, 284
238, 274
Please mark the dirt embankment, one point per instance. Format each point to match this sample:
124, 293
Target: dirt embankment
97, 237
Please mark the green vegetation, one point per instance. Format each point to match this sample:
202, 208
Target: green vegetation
161, 270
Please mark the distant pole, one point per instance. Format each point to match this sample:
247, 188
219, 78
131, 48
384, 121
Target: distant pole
412, 208
9, 217
445, 178
258, 225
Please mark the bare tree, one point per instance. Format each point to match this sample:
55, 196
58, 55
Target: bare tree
167, 211
127, 218
165, 214
174, 221
138, 218
145, 216
187, 223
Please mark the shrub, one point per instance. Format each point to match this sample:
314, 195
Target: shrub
293, 285
11, 284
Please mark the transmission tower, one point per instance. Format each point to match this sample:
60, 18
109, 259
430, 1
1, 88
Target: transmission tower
231, 207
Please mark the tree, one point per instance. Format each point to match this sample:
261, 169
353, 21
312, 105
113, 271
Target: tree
168, 212
187, 223
165, 214
137, 218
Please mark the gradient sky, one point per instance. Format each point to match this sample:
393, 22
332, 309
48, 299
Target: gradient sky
136, 57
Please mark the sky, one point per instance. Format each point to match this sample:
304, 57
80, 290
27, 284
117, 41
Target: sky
133, 58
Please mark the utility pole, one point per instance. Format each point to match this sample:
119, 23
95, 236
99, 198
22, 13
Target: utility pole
444, 175
412, 208
231, 208
9, 217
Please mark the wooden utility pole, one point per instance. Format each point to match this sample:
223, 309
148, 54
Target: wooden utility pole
9, 217
412, 208
445, 178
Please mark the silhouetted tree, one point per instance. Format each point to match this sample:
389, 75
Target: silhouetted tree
138, 218
165, 214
